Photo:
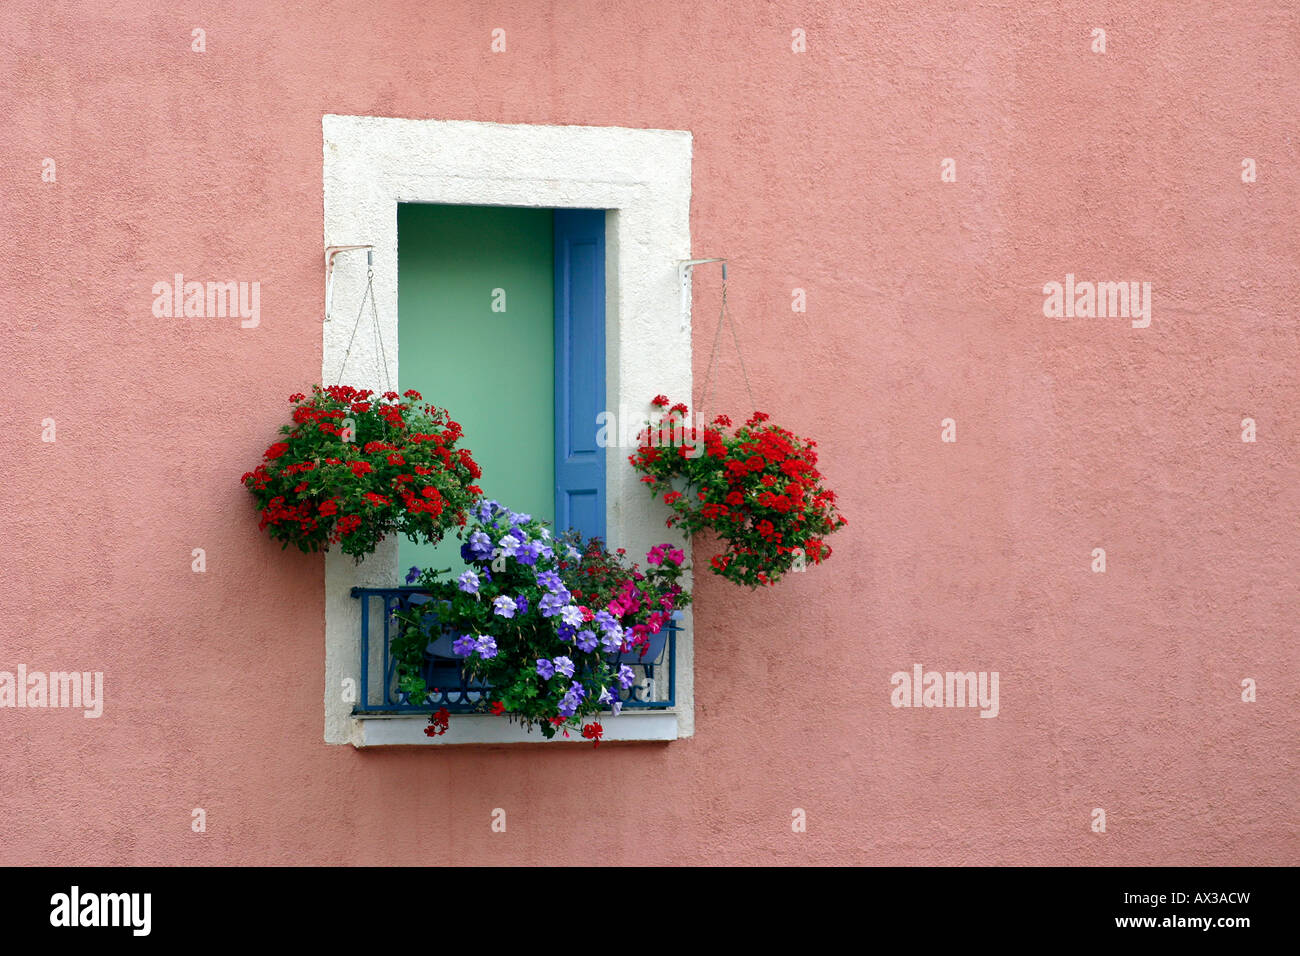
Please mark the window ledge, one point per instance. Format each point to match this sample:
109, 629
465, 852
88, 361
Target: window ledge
388, 730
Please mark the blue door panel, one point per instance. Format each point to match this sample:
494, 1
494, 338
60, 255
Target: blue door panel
579, 370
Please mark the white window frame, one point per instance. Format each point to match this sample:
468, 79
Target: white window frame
643, 178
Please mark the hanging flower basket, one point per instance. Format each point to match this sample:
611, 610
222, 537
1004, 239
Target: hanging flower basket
353, 469
548, 624
757, 487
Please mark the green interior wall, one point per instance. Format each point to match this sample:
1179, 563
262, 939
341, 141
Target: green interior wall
494, 371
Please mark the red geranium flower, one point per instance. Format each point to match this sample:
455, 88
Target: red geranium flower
438, 723
736, 473
290, 507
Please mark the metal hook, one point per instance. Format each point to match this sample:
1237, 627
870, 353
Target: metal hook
330, 253
684, 268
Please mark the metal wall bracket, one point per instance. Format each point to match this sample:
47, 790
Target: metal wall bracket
684, 268
330, 253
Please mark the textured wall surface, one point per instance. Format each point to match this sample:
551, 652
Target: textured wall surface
817, 170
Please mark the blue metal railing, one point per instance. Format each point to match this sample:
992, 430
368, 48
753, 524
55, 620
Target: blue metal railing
449, 685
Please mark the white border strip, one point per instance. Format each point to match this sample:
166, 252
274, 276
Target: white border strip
486, 729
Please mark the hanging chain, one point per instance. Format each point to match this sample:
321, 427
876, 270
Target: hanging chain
374, 315
723, 315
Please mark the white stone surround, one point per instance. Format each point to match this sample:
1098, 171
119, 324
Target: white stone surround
643, 179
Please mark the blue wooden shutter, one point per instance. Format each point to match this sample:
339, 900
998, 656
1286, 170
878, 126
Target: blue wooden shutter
579, 370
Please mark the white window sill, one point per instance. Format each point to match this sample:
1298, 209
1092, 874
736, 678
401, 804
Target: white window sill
389, 730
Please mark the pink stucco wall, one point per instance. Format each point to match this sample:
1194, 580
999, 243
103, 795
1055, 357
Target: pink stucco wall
818, 171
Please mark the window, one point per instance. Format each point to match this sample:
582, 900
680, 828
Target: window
619, 202
501, 317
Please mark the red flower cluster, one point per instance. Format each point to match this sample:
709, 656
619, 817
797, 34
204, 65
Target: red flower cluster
438, 723
353, 469
758, 487
593, 731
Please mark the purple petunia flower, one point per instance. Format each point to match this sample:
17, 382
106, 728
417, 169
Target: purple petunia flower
509, 545
571, 615
464, 645
553, 604
625, 676
572, 699
480, 546
486, 647
412, 574
586, 640
521, 604
528, 552
550, 580
485, 510
611, 640
469, 582
503, 606
545, 669
563, 666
